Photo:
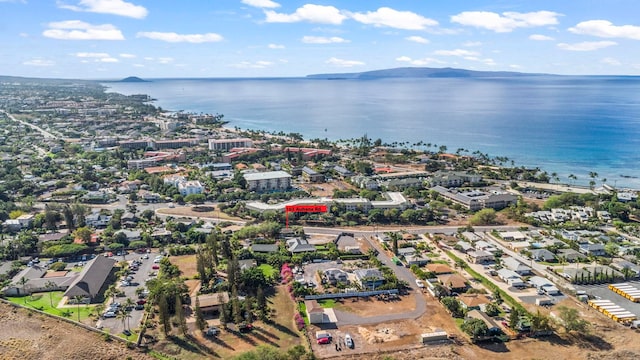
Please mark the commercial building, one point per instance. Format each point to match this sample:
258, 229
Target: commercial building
268, 181
477, 200
228, 144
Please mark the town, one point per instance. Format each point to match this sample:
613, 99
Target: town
171, 235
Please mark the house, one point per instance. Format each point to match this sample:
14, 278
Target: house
369, 278
511, 278
543, 255
315, 312
298, 245
513, 236
485, 246
473, 301
407, 251
97, 220
592, 249
264, 248
439, 269
418, 259
92, 281
342, 172
453, 282
480, 257
471, 236
310, 175
491, 324
516, 266
620, 265
132, 235
247, 264
543, 284
518, 245
334, 276
464, 246
211, 303
571, 255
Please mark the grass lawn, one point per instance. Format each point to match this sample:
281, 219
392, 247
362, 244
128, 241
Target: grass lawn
42, 302
327, 303
268, 271
303, 312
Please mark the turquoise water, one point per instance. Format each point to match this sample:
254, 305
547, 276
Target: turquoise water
568, 125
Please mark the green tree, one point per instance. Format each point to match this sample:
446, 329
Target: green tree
78, 299
484, 217
540, 322
571, 320
201, 323
50, 285
475, 328
83, 233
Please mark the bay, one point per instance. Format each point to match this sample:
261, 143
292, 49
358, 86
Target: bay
567, 125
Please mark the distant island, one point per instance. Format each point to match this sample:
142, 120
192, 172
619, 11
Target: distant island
421, 72
133, 79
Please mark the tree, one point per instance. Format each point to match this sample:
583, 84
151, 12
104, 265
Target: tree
475, 328
201, 323
78, 299
83, 233
492, 309
163, 312
540, 322
23, 282
179, 310
571, 320
484, 217
50, 285
453, 305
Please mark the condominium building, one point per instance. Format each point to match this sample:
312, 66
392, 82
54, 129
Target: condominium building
268, 181
228, 144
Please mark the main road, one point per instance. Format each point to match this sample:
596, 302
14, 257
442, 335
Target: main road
45, 133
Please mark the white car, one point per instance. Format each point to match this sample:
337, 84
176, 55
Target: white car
348, 341
109, 314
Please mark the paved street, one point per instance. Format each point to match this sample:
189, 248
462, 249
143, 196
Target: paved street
114, 325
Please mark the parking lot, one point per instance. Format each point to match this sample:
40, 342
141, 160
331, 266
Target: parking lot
114, 325
602, 292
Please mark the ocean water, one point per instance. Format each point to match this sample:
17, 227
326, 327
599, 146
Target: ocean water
567, 125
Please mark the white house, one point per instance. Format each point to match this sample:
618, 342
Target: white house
516, 266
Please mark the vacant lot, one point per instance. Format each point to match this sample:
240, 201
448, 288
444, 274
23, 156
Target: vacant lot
214, 213
187, 265
28, 335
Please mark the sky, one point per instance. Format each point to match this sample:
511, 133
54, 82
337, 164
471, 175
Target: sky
112, 39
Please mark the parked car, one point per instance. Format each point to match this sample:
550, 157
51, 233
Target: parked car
212, 331
245, 328
348, 341
141, 302
145, 257
324, 340
139, 307
109, 314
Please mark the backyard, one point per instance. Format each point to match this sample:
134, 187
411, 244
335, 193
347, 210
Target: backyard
44, 302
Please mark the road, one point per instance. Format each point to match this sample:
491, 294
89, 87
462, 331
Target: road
45, 133
114, 325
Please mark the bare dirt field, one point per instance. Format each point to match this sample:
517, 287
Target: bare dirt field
213, 213
374, 307
326, 188
187, 265
27, 335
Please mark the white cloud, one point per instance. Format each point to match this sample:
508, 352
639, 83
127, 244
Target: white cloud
98, 57
472, 43
310, 13
276, 46
456, 52
24, 35
261, 64
138, 65
175, 38
80, 30
165, 60
514, 66
538, 37
344, 63
586, 45
419, 62
39, 62
507, 21
388, 17
417, 39
611, 61
261, 3
323, 40
128, 56
605, 29
115, 7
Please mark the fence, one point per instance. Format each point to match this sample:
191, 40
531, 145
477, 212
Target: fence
351, 294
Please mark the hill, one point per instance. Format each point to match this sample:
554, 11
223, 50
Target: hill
421, 72
132, 79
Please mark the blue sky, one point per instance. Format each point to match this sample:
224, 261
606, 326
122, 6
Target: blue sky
108, 39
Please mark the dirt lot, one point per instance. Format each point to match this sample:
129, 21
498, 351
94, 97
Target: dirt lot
325, 189
186, 264
373, 307
214, 213
400, 340
36, 336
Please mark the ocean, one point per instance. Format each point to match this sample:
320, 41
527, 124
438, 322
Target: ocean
567, 125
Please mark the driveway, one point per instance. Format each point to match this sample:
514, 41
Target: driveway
114, 325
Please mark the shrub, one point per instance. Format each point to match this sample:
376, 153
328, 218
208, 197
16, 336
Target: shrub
58, 266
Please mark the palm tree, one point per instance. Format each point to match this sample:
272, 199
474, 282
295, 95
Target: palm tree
121, 315
23, 282
78, 299
50, 285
